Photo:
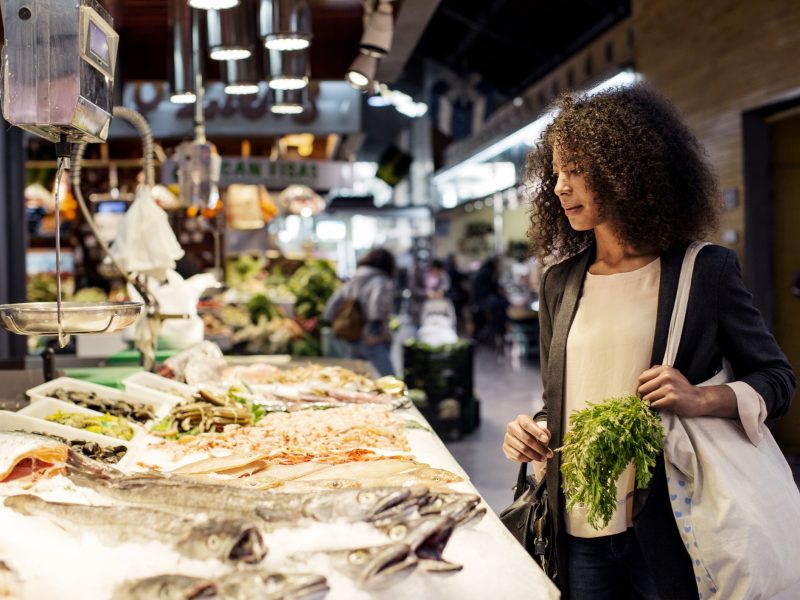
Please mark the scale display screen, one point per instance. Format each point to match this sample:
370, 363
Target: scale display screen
98, 44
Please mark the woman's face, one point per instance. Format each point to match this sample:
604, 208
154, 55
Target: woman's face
577, 200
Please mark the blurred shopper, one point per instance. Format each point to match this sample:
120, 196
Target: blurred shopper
620, 188
489, 303
458, 292
372, 287
437, 281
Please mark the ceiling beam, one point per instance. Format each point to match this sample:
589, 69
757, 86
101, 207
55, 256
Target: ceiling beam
409, 25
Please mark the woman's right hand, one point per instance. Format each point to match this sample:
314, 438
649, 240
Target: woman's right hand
526, 440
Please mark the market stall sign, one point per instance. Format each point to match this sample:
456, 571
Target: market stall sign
333, 107
275, 174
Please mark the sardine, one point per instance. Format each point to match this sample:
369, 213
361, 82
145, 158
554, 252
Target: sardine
255, 584
227, 540
166, 587
25, 456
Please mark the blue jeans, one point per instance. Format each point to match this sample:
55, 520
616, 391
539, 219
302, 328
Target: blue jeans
608, 568
378, 354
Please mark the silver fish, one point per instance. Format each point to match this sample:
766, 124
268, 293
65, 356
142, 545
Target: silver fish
427, 538
166, 587
228, 540
255, 584
348, 504
375, 566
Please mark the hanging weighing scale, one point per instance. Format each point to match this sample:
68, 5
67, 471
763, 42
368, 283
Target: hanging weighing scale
58, 76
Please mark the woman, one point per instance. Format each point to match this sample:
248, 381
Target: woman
373, 286
620, 187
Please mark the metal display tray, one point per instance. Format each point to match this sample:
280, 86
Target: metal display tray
41, 318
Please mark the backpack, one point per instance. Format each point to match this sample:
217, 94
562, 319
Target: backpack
349, 321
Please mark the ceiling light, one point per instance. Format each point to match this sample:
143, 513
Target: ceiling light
183, 98
231, 33
183, 64
288, 70
288, 102
285, 25
213, 4
241, 89
378, 30
362, 72
242, 77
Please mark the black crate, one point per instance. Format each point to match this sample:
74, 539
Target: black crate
456, 420
441, 374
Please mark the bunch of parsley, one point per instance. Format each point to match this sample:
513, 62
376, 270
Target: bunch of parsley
604, 439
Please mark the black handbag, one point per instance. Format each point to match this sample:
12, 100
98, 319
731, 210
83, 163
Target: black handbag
529, 521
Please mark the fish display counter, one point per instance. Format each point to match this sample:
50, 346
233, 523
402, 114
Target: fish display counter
260, 482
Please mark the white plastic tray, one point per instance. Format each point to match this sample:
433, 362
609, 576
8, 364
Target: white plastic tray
27, 420
45, 390
154, 389
48, 406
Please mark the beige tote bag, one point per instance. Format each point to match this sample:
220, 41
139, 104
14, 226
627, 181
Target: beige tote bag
735, 502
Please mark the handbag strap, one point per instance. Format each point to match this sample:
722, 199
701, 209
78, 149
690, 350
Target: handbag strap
681, 302
521, 480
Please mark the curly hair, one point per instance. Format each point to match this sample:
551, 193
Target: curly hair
648, 172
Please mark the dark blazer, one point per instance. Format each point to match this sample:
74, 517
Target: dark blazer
720, 321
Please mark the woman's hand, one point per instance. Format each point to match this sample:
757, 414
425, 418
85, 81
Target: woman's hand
526, 440
666, 388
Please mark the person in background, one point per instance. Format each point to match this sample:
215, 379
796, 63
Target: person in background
489, 302
373, 285
458, 293
437, 281
620, 187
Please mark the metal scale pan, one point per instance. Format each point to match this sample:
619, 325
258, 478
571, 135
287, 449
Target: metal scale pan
57, 82
41, 318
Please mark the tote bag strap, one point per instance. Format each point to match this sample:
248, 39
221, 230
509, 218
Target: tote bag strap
681, 302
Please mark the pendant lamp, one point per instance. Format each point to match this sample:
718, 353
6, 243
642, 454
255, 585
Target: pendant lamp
285, 24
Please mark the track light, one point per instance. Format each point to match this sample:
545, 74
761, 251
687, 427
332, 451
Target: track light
184, 60
361, 73
213, 4
378, 30
231, 35
288, 102
285, 24
288, 69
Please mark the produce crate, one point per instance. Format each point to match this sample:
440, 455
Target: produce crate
441, 371
442, 380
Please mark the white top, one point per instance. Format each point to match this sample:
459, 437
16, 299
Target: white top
609, 345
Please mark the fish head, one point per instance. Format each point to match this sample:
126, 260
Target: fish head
459, 506
354, 504
166, 587
228, 540
256, 583
376, 566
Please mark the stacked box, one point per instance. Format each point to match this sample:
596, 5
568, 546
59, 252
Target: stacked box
443, 376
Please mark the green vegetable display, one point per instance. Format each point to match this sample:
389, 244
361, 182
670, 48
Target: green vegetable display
259, 305
313, 284
604, 439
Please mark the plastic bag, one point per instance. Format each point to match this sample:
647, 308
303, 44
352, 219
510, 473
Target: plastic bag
145, 242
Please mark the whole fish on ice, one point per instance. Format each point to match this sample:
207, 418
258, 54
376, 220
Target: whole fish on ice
228, 540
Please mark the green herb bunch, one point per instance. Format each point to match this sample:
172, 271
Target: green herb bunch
604, 439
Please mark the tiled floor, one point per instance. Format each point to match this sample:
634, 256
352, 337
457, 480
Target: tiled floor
505, 391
